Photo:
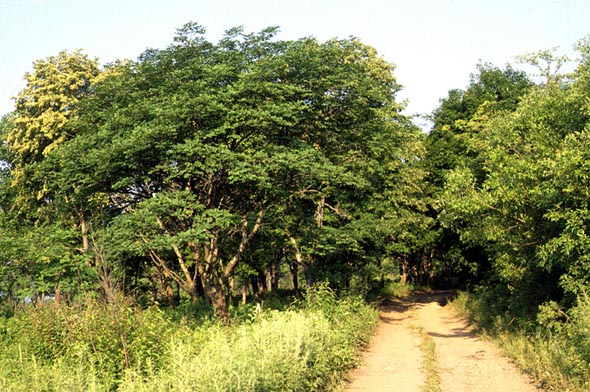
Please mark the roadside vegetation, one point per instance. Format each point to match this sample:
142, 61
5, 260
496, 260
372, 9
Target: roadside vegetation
198, 218
554, 349
307, 345
428, 348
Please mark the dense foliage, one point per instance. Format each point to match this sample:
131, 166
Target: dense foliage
519, 194
93, 347
205, 172
202, 168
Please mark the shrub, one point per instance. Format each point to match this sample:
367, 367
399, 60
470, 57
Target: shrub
555, 350
305, 348
96, 347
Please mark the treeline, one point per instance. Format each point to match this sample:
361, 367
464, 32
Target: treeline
206, 171
507, 168
509, 160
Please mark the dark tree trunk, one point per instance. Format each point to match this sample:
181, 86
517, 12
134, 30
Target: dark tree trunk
294, 272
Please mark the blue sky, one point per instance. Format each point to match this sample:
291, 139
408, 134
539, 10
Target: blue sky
435, 44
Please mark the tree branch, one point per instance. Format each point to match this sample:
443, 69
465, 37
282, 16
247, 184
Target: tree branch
246, 237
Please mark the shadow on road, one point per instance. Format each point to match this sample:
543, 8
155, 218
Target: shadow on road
414, 300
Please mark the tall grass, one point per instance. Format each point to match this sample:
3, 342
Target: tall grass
307, 347
555, 349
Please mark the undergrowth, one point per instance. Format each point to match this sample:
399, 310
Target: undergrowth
554, 348
94, 347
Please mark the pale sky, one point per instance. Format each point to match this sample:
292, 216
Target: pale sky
435, 44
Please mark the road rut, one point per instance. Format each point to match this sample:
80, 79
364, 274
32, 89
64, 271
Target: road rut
465, 362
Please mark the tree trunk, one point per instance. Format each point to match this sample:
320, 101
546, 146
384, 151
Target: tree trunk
299, 260
244, 294
214, 290
404, 266
319, 213
275, 272
294, 272
169, 292
262, 287
84, 232
214, 275
57, 298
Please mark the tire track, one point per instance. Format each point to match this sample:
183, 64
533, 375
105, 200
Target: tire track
465, 362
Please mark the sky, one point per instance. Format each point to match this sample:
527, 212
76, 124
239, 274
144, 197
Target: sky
435, 44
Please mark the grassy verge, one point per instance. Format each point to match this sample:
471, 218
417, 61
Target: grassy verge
307, 347
555, 352
430, 364
428, 348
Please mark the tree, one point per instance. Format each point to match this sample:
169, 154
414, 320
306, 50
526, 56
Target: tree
528, 205
47, 102
32, 132
188, 153
491, 90
451, 146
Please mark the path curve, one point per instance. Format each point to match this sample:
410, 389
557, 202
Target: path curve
466, 362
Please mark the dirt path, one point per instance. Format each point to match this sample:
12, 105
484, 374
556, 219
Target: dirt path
465, 362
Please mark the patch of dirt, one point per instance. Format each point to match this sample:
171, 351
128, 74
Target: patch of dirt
466, 362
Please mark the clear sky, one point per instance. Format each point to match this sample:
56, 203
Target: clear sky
435, 44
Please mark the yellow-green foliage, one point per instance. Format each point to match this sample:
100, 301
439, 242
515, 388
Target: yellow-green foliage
305, 348
45, 104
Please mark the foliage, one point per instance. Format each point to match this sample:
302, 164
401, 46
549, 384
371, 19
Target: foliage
305, 348
182, 166
206, 170
44, 106
520, 195
449, 149
40, 255
523, 204
555, 352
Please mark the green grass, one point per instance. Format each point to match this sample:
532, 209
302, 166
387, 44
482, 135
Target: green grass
307, 347
392, 289
430, 364
428, 348
554, 349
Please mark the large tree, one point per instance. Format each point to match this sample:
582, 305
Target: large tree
491, 92
526, 203
45, 239
186, 155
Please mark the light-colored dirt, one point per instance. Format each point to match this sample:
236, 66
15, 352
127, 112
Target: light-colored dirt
394, 357
466, 363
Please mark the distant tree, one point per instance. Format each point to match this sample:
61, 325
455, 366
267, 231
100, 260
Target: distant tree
449, 146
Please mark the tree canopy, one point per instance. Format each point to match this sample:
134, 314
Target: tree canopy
173, 168
205, 170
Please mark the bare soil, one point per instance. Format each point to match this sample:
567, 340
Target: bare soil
465, 362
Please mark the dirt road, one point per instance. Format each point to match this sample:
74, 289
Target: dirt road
464, 362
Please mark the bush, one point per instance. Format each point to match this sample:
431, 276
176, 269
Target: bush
555, 349
97, 339
306, 348
97, 347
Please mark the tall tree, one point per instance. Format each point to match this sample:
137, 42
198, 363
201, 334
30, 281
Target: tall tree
200, 146
456, 124
35, 129
47, 102
529, 207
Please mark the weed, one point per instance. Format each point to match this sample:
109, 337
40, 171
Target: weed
306, 347
555, 349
